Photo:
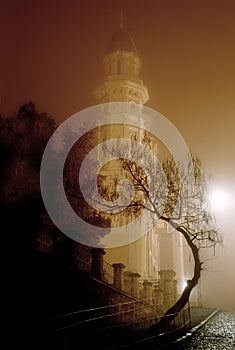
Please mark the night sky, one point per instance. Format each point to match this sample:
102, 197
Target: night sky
52, 51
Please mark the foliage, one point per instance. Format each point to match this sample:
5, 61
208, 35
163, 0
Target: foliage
23, 140
176, 194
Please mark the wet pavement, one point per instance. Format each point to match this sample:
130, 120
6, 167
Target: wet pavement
217, 334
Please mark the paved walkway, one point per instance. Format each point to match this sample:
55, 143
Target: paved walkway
200, 314
199, 317
216, 334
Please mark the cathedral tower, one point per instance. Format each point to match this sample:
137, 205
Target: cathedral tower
156, 251
122, 83
122, 68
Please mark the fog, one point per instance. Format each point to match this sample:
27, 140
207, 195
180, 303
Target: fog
52, 54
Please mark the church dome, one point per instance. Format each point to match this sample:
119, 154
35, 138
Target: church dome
123, 41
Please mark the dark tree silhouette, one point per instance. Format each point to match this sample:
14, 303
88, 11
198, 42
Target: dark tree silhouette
178, 198
22, 142
43, 281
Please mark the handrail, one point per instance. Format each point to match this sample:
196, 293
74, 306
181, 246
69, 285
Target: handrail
103, 317
100, 308
155, 319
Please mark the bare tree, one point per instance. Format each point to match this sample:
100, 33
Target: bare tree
176, 194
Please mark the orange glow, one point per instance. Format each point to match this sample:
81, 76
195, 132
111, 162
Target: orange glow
52, 52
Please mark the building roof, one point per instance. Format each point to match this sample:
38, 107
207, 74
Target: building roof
123, 41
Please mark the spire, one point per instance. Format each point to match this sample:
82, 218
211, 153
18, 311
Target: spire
122, 39
122, 20
122, 66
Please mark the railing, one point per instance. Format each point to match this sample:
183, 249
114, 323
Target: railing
82, 261
111, 326
155, 284
82, 258
82, 265
108, 272
43, 242
131, 311
123, 312
182, 319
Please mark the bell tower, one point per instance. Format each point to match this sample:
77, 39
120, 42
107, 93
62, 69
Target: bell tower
148, 255
122, 83
122, 66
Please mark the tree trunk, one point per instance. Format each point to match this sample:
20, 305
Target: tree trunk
171, 313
